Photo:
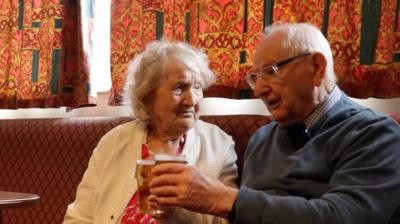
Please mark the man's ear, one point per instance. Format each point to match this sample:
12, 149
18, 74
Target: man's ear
319, 65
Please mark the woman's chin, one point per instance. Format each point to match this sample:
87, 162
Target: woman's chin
184, 124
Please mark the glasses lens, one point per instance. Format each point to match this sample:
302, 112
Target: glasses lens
269, 71
266, 73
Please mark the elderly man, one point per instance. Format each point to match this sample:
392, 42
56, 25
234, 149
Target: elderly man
324, 158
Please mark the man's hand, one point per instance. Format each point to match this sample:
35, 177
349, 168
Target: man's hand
184, 186
160, 213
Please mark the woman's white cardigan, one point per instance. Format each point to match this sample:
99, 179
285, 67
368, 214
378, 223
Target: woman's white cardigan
109, 181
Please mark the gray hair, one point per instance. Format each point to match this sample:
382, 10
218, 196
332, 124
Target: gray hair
148, 69
302, 38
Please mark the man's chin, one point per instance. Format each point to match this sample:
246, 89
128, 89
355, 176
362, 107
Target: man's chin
278, 118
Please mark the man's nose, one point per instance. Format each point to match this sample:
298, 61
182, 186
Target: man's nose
261, 88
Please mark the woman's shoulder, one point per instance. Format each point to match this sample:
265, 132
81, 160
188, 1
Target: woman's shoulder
203, 127
122, 132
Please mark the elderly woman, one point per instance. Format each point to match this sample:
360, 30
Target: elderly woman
165, 86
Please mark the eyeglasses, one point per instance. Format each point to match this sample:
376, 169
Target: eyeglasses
269, 71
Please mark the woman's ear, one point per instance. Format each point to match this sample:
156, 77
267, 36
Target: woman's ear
319, 65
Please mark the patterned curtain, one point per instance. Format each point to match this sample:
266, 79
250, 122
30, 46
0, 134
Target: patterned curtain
364, 35
365, 48
226, 30
41, 60
133, 25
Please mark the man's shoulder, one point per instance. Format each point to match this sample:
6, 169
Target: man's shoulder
351, 113
362, 115
358, 124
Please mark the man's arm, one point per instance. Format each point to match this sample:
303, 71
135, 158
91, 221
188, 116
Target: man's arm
184, 186
363, 188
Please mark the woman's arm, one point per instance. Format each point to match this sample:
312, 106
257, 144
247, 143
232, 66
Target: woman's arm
81, 210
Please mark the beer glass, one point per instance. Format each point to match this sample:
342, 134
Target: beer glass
144, 176
161, 159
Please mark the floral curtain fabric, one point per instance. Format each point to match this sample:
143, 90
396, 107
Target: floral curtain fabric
218, 27
41, 60
133, 25
364, 36
349, 26
42, 63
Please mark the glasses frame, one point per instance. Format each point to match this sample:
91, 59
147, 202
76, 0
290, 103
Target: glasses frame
269, 71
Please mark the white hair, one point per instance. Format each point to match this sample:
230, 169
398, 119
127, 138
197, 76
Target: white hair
148, 69
302, 38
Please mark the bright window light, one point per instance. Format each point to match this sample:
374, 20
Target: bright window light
96, 42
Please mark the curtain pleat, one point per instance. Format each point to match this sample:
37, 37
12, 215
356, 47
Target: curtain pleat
42, 63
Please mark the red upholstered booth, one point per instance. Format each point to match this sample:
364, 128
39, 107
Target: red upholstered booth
48, 157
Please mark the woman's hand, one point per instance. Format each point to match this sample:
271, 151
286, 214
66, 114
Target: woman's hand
184, 186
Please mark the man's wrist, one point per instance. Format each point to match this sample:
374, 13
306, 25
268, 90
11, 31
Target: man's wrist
227, 201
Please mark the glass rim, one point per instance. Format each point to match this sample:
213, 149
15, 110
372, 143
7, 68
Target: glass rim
145, 162
164, 157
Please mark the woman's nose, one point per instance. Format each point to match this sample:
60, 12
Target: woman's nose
189, 98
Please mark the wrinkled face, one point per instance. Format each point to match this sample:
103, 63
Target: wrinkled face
289, 94
176, 101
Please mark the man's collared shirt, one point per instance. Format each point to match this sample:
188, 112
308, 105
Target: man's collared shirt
321, 108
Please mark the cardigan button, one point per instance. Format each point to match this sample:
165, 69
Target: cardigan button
112, 217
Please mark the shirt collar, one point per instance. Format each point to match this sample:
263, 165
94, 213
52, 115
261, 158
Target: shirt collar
321, 108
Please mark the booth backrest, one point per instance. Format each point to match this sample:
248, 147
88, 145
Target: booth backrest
48, 157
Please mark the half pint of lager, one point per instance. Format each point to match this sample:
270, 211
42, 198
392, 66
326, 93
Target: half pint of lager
144, 176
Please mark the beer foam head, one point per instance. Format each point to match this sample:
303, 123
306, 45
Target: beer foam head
163, 157
145, 162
